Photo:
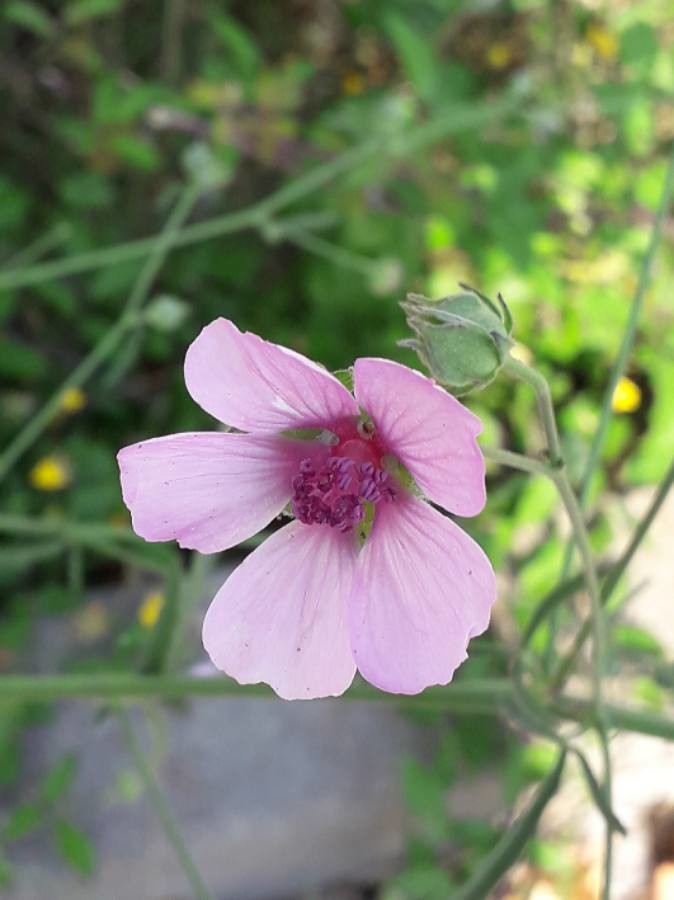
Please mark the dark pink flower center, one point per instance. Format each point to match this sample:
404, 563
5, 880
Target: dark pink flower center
335, 493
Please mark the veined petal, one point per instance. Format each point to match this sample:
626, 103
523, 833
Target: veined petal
258, 386
281, 616
428, 430
422, 589
208, 490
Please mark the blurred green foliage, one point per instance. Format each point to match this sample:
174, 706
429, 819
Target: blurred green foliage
110, 106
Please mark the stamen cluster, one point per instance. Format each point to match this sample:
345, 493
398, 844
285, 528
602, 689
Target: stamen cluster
335, 494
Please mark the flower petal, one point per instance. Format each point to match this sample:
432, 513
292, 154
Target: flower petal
281, 616
258, 386
208, 490
423, 588
428, 430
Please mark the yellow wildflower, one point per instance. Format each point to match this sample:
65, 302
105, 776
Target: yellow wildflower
352, 84
499, 55
626, 396
49, 474
150, 609
72, 400
601, 40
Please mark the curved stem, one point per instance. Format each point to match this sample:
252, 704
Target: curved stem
613, 577
544, 401
598, 629
517, 461
161, 807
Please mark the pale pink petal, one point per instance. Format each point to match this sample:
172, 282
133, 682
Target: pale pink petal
428, 430
258, 386
208, 490
281, 616
423, 588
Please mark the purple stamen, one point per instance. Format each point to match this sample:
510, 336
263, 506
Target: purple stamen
335, 493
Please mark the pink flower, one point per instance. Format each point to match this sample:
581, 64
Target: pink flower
313, 602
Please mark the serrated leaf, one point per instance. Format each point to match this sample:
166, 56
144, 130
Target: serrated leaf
75, 847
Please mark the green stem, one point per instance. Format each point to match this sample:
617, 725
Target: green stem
510, 846
261, 212
598, 628
161, 807
621, 360
46, 242
622, 357
338, 256
488, 696
128, 320
541, 389
615, 574
517, 461
560, 477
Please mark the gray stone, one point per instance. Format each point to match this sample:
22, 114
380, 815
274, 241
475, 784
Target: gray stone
275, 798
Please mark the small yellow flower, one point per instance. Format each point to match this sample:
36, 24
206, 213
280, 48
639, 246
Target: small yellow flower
150, 609
352, 84
72, 400
49, 474
626, 396
602, 41
499, 55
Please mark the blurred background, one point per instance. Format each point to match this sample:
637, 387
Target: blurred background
517, 146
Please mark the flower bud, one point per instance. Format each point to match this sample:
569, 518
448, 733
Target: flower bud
462, 339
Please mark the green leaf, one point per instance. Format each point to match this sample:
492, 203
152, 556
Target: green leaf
416, 56
9, 761
20, 362
240, 46
508, 849
22, 820
639, 47
80, 11
59, 778
420, 882
29, 16
6, 872
636, 640
75, 847
424, 792
599, 796
345, 376
136, 152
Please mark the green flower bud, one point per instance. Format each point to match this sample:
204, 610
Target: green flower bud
462, 339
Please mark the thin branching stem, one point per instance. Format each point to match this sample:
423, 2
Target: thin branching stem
161, 807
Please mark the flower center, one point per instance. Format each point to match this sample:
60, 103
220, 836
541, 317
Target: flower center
336, 494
